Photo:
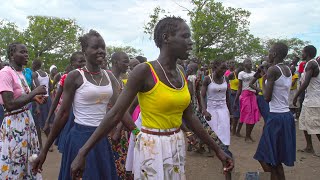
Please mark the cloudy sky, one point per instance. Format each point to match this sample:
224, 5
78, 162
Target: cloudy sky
121, 21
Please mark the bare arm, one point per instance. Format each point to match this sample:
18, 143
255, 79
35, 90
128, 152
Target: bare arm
11, 104
239, 91
228, 99
133, 86
253, 86
272, 74
71, 84
194, 123
308, 75
55, 102
204, 88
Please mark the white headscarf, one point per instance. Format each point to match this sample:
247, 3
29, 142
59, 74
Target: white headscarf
52, 67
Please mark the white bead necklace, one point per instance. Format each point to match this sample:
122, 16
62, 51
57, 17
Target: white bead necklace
168, 78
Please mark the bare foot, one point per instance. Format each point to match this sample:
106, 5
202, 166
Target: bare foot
306, 150
51, 149
249, 139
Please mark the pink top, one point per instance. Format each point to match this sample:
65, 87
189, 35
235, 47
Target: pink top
227, 73
11, 82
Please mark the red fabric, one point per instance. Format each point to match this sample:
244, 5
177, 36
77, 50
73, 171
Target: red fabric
62, 79
301, 67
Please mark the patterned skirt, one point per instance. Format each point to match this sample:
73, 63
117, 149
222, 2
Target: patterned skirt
18, 141
159, 157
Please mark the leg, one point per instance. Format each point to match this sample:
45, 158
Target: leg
239, 129
39, 136
249, 128
280, 172
234, 125
309, 148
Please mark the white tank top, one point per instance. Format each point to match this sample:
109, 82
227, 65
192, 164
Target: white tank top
280, 96
90, 102
44, 81
216, 94
312, 98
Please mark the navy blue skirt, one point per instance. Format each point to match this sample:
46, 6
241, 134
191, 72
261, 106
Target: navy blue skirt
263, 107
278, 141
236, 113
65, 131
99, 161
40, 119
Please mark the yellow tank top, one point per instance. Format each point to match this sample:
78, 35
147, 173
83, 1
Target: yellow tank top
260, 80
162, 107
234, 82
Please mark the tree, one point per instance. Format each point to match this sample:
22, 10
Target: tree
51, 39
218, 32
8, 34
295, 45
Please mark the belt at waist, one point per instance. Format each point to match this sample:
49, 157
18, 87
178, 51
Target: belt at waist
160, 132
16, 111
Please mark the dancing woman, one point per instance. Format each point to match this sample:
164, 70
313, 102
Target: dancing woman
164, 100
19, 138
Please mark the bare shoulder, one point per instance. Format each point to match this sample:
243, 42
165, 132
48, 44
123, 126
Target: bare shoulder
140, 71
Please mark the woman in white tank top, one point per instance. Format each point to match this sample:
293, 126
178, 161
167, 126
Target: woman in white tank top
88, 91
277, 145
40, 111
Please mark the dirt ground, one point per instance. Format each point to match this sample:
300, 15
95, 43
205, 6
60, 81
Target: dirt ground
201, 167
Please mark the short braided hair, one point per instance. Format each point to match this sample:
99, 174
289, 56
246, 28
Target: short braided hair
167, 25
84, 39
11, 49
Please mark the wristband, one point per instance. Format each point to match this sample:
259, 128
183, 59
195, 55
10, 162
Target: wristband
135, 131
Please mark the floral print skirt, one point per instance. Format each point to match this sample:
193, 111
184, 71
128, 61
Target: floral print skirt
159, 157
18, 141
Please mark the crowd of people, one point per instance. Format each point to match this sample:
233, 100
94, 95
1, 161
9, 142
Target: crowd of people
130, 121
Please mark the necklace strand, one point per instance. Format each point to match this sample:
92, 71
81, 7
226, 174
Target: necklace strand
24, 85
93, 78
168, 78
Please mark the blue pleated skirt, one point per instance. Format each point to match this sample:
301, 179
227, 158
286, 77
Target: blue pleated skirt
263, 107
65, 131
278, 141
99, 161
40, 119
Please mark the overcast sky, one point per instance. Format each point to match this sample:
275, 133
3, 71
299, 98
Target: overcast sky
121, 21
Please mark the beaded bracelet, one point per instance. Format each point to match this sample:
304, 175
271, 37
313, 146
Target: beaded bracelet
188, 134
135, 131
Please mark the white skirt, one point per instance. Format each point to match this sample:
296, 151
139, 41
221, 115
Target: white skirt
159, 157
129, 160
220, 122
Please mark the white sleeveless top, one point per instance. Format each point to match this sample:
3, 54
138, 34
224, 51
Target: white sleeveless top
216, 93
280, 96
44, 81
312, 98
90, 102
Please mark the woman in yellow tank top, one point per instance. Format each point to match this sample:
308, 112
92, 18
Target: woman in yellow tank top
164, 100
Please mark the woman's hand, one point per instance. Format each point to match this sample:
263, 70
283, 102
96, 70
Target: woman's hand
207, 115
226, 160
77, 166
37, 163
